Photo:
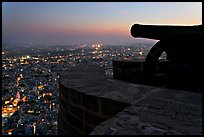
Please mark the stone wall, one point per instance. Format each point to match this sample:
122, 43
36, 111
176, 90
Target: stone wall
91, 103
128, 71
80, 113
133, 71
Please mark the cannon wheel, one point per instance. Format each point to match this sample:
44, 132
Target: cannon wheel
184, 59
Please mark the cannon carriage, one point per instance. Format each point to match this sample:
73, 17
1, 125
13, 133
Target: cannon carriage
183, 66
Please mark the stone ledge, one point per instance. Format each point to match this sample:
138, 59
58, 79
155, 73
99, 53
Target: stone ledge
91, 80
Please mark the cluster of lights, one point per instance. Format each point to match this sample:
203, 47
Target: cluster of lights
18, 79
40, 87
49, 94
96, 46
10, 109
7, 112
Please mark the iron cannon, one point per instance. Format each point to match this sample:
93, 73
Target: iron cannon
161, 31
183, 46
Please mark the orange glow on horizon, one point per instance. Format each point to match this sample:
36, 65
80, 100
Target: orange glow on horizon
112, 29
107, 29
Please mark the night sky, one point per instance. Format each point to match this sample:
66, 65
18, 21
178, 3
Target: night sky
85, 22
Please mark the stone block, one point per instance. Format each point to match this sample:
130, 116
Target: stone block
93, 119
75, 97
64, 105
74, 121
111, 107
91, 102
77, 111
74, 131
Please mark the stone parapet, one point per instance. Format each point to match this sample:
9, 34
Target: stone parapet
91, 103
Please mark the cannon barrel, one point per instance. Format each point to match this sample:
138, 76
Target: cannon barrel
161, 31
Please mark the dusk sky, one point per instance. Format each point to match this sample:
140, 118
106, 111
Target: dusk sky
86, 22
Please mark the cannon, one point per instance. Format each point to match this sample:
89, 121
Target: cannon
183, 66
161, 31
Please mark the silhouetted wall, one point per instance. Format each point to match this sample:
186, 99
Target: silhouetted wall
128, 71
79, 113
132, 71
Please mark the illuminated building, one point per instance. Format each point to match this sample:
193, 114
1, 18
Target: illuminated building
40, 87
24, 98
6, 102
15, 102
21, 75
7, 112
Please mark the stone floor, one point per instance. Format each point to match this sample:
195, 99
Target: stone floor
152, 110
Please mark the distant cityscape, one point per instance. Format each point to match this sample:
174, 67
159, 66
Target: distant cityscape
30, 77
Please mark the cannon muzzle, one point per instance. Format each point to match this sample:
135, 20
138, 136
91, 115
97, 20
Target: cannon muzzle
160, 31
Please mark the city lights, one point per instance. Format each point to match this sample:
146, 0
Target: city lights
32, 85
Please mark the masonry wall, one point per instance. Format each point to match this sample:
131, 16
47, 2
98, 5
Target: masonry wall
128, 71
79, 113
133, 72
